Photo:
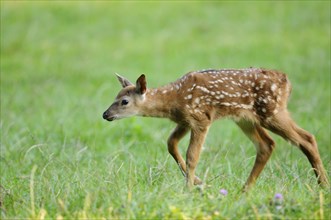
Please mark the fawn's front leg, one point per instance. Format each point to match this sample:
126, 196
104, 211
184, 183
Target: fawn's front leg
179, 132
193, 153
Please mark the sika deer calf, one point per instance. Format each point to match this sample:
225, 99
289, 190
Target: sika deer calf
256, 99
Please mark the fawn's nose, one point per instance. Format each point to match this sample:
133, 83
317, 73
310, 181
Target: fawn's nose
105, 115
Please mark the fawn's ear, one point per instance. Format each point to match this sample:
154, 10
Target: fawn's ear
124, 82
141, 85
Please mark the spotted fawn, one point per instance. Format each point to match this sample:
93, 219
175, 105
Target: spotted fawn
255, 98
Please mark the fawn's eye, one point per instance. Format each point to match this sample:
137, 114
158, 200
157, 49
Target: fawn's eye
124, 102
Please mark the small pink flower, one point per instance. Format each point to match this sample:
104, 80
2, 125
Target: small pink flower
223, 192
278, 200
278, 196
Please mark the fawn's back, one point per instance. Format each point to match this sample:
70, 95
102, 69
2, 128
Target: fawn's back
253, 93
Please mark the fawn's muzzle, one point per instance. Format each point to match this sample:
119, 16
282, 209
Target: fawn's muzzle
106, 116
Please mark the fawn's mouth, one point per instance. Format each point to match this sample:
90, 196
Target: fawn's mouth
111, 118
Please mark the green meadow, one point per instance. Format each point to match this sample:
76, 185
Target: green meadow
61, 160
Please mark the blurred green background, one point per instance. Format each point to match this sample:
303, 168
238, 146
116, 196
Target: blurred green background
58, 60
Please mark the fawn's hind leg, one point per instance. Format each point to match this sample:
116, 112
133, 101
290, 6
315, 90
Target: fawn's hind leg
264, 147
178, 133
283, 125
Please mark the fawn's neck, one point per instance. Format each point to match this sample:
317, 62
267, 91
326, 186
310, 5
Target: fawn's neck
159, 102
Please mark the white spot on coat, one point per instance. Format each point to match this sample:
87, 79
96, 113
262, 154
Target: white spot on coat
189, 96
273, 87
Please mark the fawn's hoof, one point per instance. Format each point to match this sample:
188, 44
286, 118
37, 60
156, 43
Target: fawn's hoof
197, 181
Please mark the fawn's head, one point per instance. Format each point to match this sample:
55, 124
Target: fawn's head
128, 100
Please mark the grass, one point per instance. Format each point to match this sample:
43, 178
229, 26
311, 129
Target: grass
59, 159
